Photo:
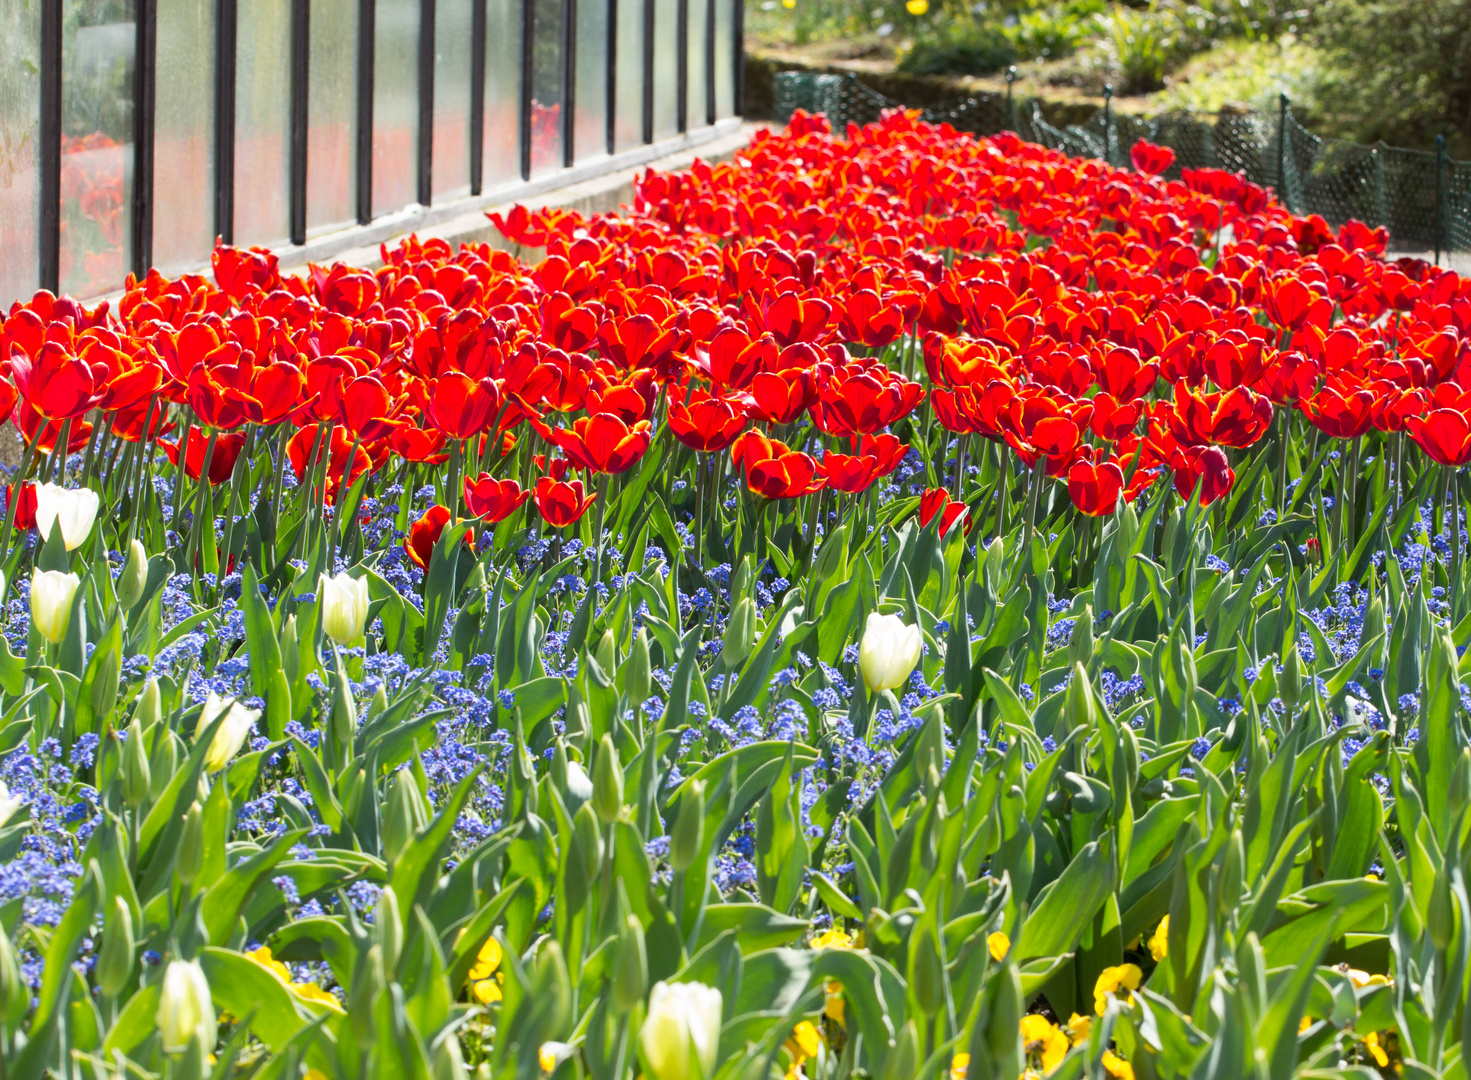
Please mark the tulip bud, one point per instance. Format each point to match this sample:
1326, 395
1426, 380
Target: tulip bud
52, 593
134, 576
740, 581
636, 671
903, 1060
72, 512
606, 654
1440, 917
926, 969
189, 856
135, 774
1314, 553
590, 837
889, 651
150, 705
230, 736
115, 959
630, 966
388, 929
1080, 648
689, 828
680, 1035
290, 650
379, 705
607, 782
740, 634
185, 1009
163, 762
407, 812
344, 710
343, 601
104, 684
1232, 874
1289, 679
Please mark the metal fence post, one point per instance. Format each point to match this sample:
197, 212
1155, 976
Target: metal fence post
1010, 114
1108, 124
1282, 151
1439, 195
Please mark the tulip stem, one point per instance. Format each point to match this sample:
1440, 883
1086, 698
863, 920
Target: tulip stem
57, 465
13, 501
196, 528
1284, 441
1003, 493
1034, 497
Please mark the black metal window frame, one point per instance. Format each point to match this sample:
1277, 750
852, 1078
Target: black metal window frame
227, 14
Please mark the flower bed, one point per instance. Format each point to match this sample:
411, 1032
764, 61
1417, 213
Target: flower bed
889, 606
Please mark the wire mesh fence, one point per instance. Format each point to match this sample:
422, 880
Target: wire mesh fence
1422, 197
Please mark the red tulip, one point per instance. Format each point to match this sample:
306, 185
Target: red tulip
367, 410
1444, 435
462, 407
419, 445
425, 533
1151, 159
774, 470
706, 423
601, 443
735, 358
1095, 489
299, 449
1208, 463
221, 462
57, 384
561, 502
867, 320
877, 457
780, 398
25, 510
938, 501
1340, 413
865, 403
1237, 418
492, 499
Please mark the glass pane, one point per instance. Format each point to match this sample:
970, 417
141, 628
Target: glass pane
263, 123
724, 58
666, 68
628, 109
453, 26
332, 113
396, 106
546, 86
698, 94
590, 139
20, 127
97, 43
502, 93
183, 140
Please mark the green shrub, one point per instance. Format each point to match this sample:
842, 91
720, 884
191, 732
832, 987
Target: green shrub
960, 48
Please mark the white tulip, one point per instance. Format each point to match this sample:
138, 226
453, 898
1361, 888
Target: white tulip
231, 734
73, 510
344, 605
9, 803
681, 1033
184, 1007
51, 602
888, 652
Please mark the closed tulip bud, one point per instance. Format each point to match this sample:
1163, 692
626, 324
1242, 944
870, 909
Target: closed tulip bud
590, 837
1232, 880
379, 705
388, 930
231, 734
344, 606
163, 762
51, 603
927, 970
607, 782
1440, 917
407, 812
889, 651
189, 856
115, 958
1289, 679
104, 684
630, 966
136, 777
150, 705
1080, 648
680, 1035
606, 654
290, 650
133, 577
185, 1009
689, 828
740, 634
636, 671
72, 512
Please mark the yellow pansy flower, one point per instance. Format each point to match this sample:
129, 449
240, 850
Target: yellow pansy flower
1303, 1024
998, 944
1046, 1046
1361, 979
834, 937
1159, 944
834, 1007
917, 7
484, 979
1117, 1067
312, 992
959, 1066
1079, 1028
262, 956
1117, 981
1371, 1044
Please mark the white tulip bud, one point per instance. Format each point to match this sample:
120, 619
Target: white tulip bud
184, 1007
51, 602
73, 510
344, 607
232, 733
889, 651
681, 1034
